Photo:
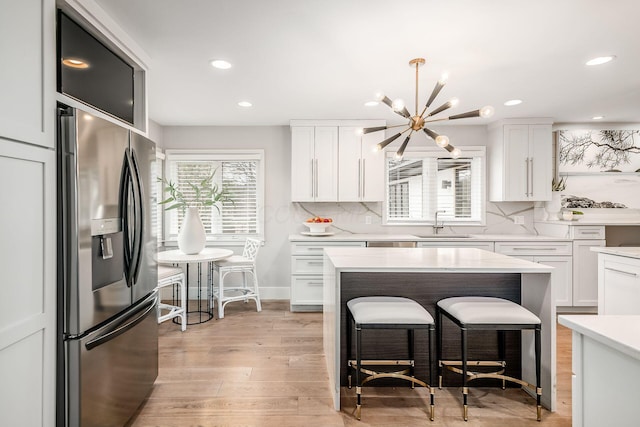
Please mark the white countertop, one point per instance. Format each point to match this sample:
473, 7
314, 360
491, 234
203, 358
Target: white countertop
366, 237
461, 260
626, 251
593, 221
621, 333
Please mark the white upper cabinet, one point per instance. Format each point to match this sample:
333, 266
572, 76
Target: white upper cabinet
314, 163
360, 167
331, 162
520, 166
27, 74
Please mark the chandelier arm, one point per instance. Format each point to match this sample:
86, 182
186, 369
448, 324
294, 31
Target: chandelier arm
441, 108
468, 114
431, 134
387, 101
417, 65
436, 90
400, 151
389, 140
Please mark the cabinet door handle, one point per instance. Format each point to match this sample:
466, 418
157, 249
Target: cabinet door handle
589, 232
316, 195
313, 179
364, 166
359, 178
534, 249
627, 273
526, 164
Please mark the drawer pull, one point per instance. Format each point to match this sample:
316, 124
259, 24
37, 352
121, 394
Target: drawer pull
315, 283
315, 262
535, 249
588, 232
628, 273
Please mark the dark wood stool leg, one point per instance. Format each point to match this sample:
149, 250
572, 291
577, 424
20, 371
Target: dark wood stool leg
502, 353
431, 386
358, 365
410, 337
439, 344
350, 326
465, 390
538, 386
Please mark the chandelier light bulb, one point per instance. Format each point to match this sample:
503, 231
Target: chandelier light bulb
397, 104
442, 140
455, 153
379, 96
443, 78
454, 102
487, 111
359, 131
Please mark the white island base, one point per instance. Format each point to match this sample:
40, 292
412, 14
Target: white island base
606, 369
458, 267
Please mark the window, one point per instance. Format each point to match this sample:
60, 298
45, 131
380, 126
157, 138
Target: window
240, 173
425, 181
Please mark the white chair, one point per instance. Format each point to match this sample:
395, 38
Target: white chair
244, 264
168, 276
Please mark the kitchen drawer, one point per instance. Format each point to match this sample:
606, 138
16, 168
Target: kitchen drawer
594, 232
306, 290
534, 248
306, 264
487, 246
315, 248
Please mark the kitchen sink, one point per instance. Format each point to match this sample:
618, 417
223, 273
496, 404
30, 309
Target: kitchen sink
445, 236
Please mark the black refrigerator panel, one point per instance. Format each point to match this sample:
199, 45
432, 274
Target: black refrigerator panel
92, 151
112, 370
143, 153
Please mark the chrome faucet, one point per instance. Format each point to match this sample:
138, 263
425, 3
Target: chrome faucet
437, 227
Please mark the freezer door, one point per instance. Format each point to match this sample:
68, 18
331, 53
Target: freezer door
143, 153
90, 159
111, 371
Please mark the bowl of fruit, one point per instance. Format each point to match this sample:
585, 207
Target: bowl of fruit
318, 224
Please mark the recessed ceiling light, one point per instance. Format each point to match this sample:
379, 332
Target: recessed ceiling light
513, 102
245, 104
597, 117
601, 60
371, 103
220, 64
75, 63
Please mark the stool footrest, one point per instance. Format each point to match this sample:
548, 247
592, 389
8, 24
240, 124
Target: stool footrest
382, 362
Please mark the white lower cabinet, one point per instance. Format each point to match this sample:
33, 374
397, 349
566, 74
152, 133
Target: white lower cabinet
585, 273
553, 254
306, 272
618, 285
487, 246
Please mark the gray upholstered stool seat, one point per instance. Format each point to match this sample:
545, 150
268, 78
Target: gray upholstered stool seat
388, 310
379, 312
482, 310
486, 313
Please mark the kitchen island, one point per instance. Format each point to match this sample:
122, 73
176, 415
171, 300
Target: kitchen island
427, 275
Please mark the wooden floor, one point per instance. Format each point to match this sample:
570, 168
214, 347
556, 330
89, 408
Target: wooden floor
268, 369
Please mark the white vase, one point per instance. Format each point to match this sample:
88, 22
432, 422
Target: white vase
191, 238
554, 206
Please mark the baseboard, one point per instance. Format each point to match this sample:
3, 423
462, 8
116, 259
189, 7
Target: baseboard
266, 293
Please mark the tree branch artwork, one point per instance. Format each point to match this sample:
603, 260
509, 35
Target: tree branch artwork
608, 150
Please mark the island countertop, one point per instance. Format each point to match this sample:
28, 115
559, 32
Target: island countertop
461, 260
625, 251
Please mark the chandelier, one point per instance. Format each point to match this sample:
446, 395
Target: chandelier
418, 121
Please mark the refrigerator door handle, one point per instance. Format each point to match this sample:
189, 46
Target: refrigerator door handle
140, 215
126, 182
145, 308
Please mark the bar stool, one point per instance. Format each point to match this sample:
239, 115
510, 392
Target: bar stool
387, 313
486, 313
168, 276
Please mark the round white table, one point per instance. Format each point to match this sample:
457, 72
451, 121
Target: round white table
207, 255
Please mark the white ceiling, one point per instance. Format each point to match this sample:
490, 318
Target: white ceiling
322, 59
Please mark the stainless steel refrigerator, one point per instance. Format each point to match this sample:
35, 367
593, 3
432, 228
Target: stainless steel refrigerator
108, 331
